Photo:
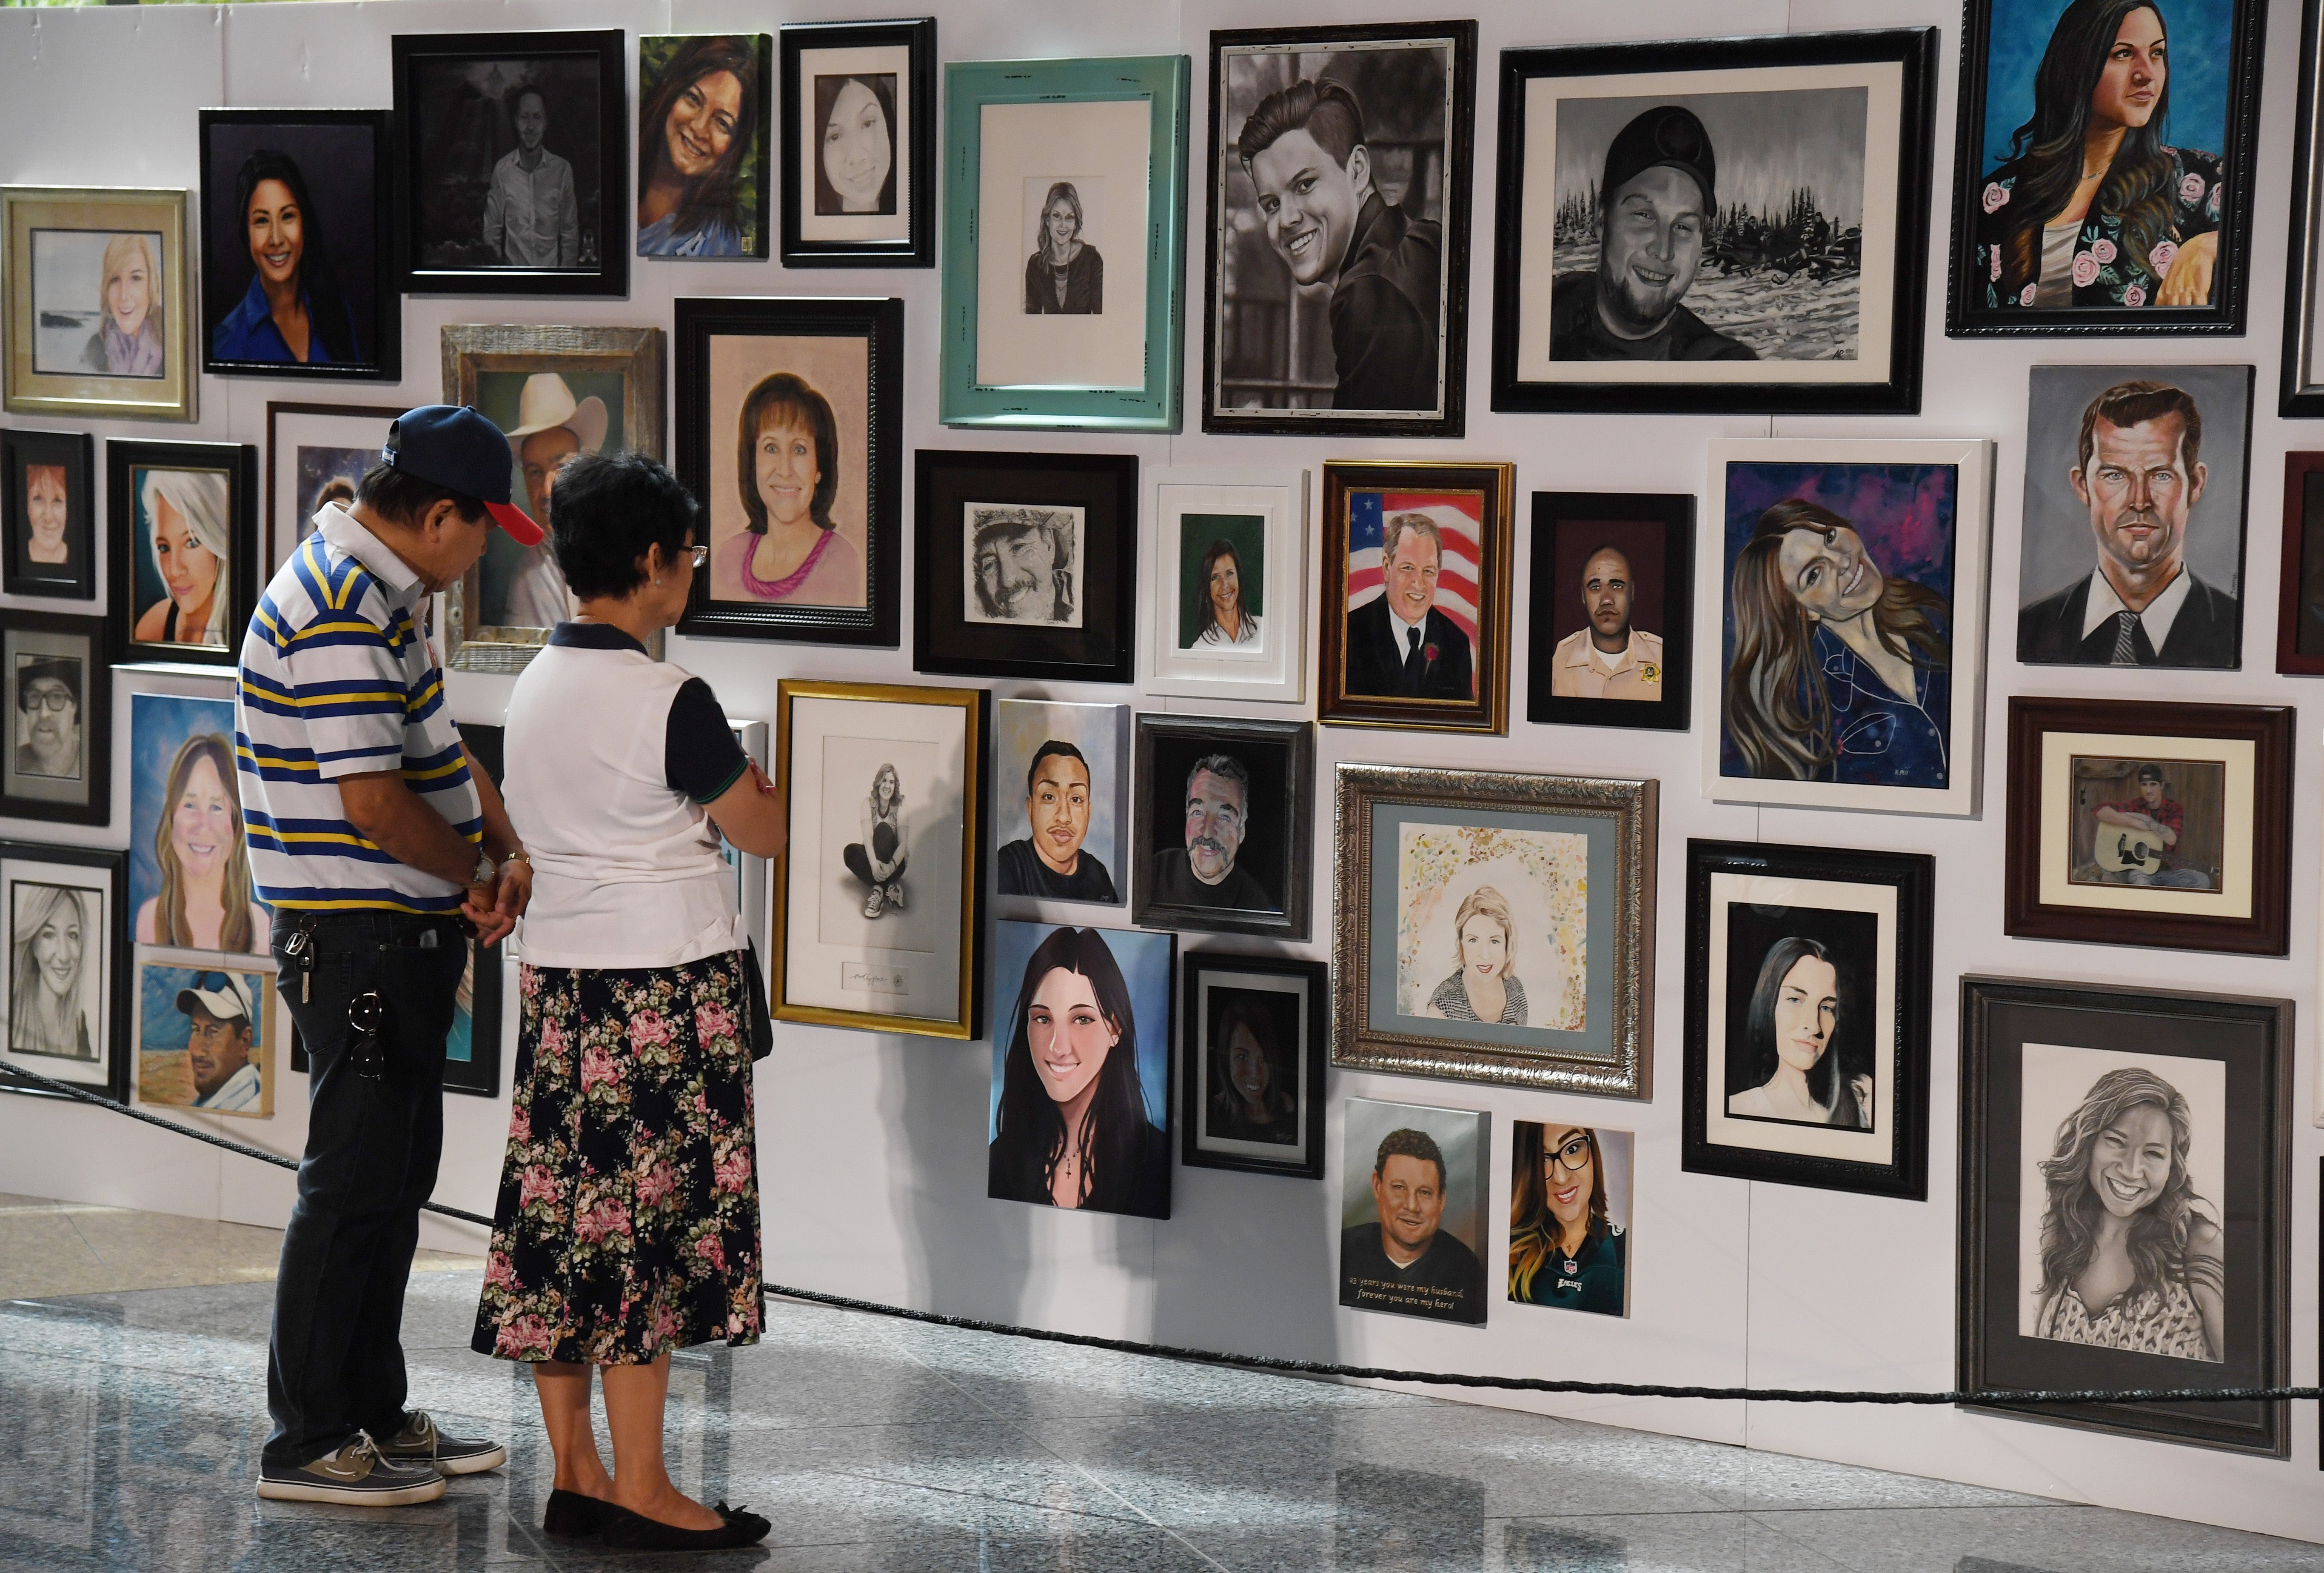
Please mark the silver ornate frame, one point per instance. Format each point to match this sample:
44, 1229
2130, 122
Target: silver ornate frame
1629, 810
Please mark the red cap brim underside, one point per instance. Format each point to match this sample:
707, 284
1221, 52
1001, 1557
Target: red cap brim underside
516, 522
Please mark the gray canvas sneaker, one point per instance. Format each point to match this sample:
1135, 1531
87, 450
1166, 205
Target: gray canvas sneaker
420, 1441
355, 1475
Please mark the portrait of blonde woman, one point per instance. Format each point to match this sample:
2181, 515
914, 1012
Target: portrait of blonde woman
1064, 274
53, 928
188, 539
1484, 985
131, 339
205, 899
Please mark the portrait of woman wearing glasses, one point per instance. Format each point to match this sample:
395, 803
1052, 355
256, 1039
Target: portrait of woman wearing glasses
1564, 1250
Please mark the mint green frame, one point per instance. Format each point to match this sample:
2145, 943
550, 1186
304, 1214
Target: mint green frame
1163, 80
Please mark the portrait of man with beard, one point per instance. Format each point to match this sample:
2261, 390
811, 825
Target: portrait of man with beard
2137, 476
48, 717
1022, 566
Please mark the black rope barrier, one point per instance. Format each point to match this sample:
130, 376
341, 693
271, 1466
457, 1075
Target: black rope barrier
2006, 1398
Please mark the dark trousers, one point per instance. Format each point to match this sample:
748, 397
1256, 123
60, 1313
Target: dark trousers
334, 1363
884, 848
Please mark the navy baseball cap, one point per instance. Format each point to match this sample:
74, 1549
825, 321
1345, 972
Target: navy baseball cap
459, 449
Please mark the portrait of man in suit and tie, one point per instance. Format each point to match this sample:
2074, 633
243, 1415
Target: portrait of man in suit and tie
1401, 644
2148, 506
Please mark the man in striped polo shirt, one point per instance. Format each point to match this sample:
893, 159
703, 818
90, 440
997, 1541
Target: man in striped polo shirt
379, 846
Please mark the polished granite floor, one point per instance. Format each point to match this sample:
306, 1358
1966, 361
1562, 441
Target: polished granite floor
130, 1424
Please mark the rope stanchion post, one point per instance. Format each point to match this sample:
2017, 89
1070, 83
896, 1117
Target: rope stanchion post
2001, 1399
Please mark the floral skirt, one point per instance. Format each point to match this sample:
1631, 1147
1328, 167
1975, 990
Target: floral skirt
628, 1221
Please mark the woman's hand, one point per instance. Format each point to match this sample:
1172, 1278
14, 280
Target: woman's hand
1862, 1088
2189, 282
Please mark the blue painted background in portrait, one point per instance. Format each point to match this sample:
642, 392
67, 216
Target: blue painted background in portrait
159, 724
2198, 33
1145, 963
162, 1027
1905, 513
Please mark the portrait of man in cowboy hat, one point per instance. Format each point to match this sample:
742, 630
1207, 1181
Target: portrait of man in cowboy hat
551, 427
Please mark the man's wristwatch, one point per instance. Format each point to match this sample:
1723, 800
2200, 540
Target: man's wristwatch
486, 869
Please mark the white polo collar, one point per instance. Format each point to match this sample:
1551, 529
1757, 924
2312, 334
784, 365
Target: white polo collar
339, 527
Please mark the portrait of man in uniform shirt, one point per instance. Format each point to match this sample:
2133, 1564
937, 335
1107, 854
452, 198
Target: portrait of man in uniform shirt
2120, 494
1609, 657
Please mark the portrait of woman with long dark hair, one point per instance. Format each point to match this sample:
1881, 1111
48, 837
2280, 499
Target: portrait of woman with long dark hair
2090, 207
1253, 1093
1789, 1051
854, 153
2131, 1258
1840, 674
697, 127
1565, 1249
294, 310
1072, 1129
1226, 621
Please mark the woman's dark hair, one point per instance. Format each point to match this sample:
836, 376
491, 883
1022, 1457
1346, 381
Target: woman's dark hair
1226, 1098
827, 94
1211, 555
2049, 147
1825, 1082
711, 196
327, 306
606, 510
2158, 1236
1779, 708
1534, 1230
1031, 1142
786, 398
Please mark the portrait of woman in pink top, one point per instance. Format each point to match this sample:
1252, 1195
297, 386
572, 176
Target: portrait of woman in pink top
787, 471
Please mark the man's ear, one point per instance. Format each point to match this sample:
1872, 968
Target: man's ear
1360, 167
2082, 486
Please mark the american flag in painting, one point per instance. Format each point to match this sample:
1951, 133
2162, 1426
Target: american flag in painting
1459, 519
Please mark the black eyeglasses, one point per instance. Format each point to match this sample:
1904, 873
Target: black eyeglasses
1573, 1157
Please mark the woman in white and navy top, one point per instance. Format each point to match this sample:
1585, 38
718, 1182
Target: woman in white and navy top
628, 1223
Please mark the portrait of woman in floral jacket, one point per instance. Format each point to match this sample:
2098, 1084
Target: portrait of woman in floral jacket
2091, 207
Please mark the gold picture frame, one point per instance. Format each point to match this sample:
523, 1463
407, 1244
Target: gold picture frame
487, 366
56, 247
840, 891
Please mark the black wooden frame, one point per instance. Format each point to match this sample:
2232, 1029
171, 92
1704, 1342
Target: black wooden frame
1552, 514
918, 250
76, 451
881, 324
1914, 48
117, 948
1912, 876
2230, 285
1317, 979
239, 460
615, 242
95, 718
2258, 1222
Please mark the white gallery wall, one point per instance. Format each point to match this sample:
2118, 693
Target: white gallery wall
872, 1148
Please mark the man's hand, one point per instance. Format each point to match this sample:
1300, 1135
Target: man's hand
494, 908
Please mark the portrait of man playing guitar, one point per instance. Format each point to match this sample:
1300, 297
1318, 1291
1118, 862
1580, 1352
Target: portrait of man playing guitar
2136, 840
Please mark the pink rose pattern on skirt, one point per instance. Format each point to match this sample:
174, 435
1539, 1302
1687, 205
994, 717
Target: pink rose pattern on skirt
628, 1221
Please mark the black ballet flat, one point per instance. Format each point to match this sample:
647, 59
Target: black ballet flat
573, 1516
636, 1533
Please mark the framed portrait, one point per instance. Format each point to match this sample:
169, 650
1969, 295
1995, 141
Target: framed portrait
68, 987
879, 898
2300, 584
1256, 1033
1845, 638
182, 522
48, 512
859, 143
1569, 1190
1225, 824
472, 1050
1338, 241
60, 683
2055, 100
1067, 837
98, 321
2302, 388
1073, 1006
1612, 609
316, 454
1229, 549
189, 885
1026, 565
2134, 822
204, 1033
2131, 548
1064, 258
514, 160
703, 145
555, 392
790, 430
1807, 1016
1415, 596
1496, 927
1412, 1202
299, 244
1733, 225
2085, 1104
